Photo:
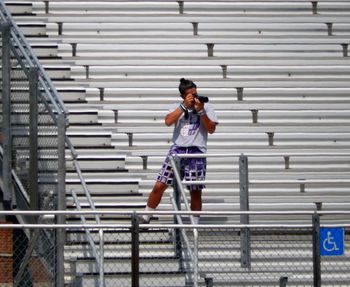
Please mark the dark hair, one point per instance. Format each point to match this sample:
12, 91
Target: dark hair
185, 85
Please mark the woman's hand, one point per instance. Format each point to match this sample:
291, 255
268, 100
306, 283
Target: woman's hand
189, 100
198, 105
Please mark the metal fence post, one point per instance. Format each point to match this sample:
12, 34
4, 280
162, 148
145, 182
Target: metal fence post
101, 270
283, 281
33, 138
135, 252
6, 113
61, 198
316, 249
209, 282
244, 206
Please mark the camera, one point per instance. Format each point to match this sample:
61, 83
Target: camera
202, 99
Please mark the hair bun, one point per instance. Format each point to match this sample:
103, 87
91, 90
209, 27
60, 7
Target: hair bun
183, 81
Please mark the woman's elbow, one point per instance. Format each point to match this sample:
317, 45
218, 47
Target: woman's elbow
168, 122
211, 129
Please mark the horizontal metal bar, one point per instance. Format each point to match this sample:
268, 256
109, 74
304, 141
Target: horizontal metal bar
168, 226
129, 213
282, 154
159, 226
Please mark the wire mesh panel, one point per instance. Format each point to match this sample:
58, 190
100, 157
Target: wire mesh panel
20, 120
164, 260
47, 131
34, 149
335, 269
276, 254
33, 257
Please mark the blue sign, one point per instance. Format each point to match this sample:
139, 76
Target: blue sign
331, 241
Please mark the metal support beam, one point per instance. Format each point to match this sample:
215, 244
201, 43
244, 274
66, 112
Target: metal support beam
316, 249
255, 116
239, 94
210, 49
135, 256
61, 198
329, 29
283, 281
270, 138
345, 49
195, 28
33, 139
286, 162
74, 49
314, 7
144, 161
6, 113
209, 282
181, 7
244, 206
224, 71
130, 138
102, 94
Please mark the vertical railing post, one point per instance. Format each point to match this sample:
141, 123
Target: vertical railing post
135, 252
283, 281
6, 113
101, 265
244, 206
33, 138
177, 198
316, 249
61, 198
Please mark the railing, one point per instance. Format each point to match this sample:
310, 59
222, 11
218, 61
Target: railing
179, 193
280, 252
245, 233
34, 133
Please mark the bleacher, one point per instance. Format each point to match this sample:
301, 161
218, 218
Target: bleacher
277, 73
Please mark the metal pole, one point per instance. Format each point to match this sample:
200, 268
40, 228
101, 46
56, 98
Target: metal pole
135, 252
209, 282
177, 198
61, 198
244, 206
283, 281
33, 138
316, 249
195, 259
102, 278
6, 113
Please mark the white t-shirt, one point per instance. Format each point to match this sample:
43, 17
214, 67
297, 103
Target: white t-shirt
190, 132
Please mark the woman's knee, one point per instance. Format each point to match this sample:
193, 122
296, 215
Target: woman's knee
159, 187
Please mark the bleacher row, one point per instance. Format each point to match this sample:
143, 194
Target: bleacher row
277, 73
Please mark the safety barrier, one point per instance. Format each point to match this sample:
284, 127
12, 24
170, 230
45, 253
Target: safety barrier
145, 255
34, 122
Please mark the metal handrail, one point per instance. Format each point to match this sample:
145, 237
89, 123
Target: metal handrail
252, 154
171, 212
195, 231
99, 260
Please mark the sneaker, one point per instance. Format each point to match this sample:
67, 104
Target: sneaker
143, 221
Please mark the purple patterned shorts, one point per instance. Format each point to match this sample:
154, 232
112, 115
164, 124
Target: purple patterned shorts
192, 169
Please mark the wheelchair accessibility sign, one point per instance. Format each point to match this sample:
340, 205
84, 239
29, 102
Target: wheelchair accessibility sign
331, 241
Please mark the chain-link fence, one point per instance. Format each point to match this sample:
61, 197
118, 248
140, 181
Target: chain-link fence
161, 255
33, 134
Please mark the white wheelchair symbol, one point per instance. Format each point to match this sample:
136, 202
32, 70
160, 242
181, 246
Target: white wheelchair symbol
328, 244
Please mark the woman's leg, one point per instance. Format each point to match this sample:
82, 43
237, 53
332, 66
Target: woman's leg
156, 194
196, 203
